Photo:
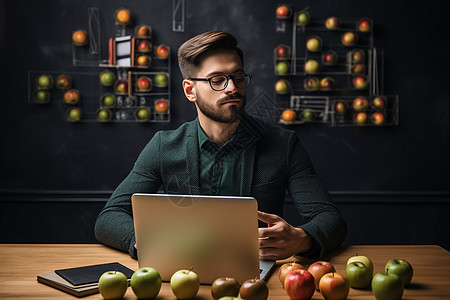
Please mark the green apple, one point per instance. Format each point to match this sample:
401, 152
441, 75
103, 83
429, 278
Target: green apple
146, 283
308, 115
44, 81
185, 284
42, 96
401, 268
108, 100
282, 68
107, 78
143, 114
222, 287
104, 114
74, 114
358, 275
161, 80
364, 259
303, 18
113, 285
387, 287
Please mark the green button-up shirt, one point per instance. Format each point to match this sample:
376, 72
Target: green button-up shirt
220, 167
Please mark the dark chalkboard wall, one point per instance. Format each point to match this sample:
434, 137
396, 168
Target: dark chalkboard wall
41, 151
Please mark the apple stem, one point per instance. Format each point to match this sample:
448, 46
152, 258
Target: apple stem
192, 268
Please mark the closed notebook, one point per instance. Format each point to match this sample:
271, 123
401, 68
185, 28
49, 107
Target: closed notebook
91, 274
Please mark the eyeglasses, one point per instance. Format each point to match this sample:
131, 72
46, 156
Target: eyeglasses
220, 82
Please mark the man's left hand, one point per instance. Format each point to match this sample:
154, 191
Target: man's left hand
280, 240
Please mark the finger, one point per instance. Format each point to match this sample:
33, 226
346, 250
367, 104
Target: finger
268, 218
267, 232
268, 254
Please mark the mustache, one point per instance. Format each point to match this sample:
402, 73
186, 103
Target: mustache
231, 97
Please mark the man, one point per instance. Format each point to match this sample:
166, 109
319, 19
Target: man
227, 152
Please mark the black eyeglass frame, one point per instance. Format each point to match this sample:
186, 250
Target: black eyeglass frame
247, 76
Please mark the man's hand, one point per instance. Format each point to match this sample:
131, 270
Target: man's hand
280, 240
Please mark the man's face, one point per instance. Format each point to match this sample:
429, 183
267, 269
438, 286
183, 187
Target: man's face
224, 106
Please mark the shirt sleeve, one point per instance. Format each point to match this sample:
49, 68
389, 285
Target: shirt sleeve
323, 220
114, 225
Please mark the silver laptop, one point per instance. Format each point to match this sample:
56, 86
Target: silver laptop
217, 236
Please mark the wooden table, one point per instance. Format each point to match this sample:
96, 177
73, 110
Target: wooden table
20, 264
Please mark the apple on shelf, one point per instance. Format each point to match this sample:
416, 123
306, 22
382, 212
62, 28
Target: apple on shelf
161, 106
330, 57
283, 51
365, 25
327, 83
108, 100
282, 68
358, 69
113, 285
360, 118
360, 103
357, 56
143, 31
143, 46
161, 80
79, 37
379, 103
143, 61
71, 97
254, 289
360, 82
107, 78
312, 66
314, 44
332, 23
378, 118
340, 107
288, 116
142, 114
283, 12
122, 87
282, 87
349, 38
44, 81
74, 114
318, 269
104, 115
63, 82
311, 83
42, 96
144, 84
162, 52
308, 115
302, 18
146, 283
123, 16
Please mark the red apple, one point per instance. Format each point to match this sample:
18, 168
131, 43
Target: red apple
332, 23
360, 103
365, 25
299, 285
318, 269
360, 82
340, 107
283, 51
71, 97
334, 286
283, 12
162, 51
161, 106
143, 46
143, 83
122, 87
349, 38
327, 83
377, 118
329, 58
379, 103
286, 268
360, 118
311, 83
143, 61
63, 82
254, 289
143, 31
225, 287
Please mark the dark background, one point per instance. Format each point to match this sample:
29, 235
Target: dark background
392, 183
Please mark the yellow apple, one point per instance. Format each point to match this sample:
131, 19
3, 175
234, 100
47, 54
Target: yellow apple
362, 259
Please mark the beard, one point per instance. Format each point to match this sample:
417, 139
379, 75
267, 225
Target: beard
219, 113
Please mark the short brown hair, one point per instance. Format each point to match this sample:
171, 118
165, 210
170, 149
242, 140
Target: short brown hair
189, 54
